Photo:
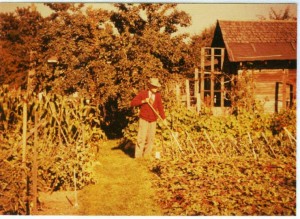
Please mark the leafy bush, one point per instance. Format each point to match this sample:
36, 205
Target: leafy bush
284, 119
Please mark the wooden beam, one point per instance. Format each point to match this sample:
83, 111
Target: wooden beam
276, 96
212, 89
202, 74
222, 91
212, 60
222, 58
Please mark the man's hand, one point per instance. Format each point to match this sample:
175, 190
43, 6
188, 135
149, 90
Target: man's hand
147, 100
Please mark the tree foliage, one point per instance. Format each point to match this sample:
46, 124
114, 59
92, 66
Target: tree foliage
105, 56
83, 49
98, 51
19, 31
147, 45
204, 39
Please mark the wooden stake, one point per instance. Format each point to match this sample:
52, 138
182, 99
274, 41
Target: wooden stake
235, 145
24, 131
24, 146
75, 192
289, 135
188, 96
268, 144
172, 133
34, 165
223, 145
32, 132
192, 143
213, 146
175, 154
250, 140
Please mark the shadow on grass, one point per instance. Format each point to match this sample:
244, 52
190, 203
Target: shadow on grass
127, 146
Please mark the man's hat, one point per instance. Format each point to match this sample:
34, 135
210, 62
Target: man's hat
154, 82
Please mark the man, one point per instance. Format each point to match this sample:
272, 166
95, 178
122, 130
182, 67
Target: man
148, 117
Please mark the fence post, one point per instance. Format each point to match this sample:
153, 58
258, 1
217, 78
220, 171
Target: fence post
198, 104
212, 60
188, 96
24, 145
34, 165
196, 87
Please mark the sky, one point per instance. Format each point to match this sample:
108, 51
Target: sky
203, 15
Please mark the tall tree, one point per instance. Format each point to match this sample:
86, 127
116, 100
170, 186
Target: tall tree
101, 54
148, 45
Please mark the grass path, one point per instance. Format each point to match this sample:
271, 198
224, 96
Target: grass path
123, 188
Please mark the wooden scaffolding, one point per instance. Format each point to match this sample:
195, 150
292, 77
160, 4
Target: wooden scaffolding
211, 87
208, 87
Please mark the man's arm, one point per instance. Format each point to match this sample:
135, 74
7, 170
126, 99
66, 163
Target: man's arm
139, 99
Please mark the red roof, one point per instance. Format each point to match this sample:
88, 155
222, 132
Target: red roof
259, 40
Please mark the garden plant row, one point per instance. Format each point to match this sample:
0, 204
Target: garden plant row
239, 164
62, 132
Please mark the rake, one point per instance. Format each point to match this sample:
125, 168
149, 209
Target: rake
171, 131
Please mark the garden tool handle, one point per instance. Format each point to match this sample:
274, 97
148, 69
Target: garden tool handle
157, 114
175, 138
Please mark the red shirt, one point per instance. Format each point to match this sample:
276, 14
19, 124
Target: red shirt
146, 112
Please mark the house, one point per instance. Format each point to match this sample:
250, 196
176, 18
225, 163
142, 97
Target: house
267, 50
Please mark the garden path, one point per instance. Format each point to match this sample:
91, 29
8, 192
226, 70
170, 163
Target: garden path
123, 188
